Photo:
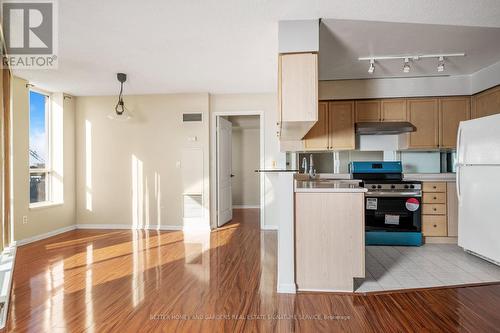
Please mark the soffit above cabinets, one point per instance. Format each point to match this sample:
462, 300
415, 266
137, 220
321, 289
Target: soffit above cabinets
342, 42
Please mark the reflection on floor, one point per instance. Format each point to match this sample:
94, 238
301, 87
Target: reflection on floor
431, 265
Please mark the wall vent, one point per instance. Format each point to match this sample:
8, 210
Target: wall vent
191, 117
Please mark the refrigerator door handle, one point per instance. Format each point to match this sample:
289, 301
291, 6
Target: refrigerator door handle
459, 150
459, 195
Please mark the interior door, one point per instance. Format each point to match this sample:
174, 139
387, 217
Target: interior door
224, 169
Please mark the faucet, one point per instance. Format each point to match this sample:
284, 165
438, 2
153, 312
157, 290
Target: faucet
304, 164
312, 172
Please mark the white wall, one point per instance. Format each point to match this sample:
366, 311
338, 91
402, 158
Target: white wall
130, 173
273, 158
245, 160
44, 219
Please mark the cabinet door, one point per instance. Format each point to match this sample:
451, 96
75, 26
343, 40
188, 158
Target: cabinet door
367, 111
486, 103
317, 137
341, 125
424, 114
452, 111
393, 109
298, 87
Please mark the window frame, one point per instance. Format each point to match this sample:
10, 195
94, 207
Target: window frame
48, 163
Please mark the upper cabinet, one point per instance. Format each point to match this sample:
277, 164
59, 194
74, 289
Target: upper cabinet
486, 103
423, 113
341, 125
317, 137
334, 129
298, 94
367, 110
452, 110
393, 109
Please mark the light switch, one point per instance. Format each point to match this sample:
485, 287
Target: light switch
178, 164
192, 138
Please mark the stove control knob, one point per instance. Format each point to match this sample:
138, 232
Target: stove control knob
379, 186
412, 186
393, 186
406, 186
373, 186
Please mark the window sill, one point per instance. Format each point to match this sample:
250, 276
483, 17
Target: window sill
45, 204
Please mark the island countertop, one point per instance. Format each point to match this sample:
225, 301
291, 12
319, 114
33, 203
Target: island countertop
328, 186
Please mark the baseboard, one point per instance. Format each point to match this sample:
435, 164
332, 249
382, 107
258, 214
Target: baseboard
129, 227
440, 240
246, 206
287, 288
45, 235
270, 227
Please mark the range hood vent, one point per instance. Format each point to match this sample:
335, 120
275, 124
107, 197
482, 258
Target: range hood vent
384, 128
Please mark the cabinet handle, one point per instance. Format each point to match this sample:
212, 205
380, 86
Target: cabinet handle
435, 225
434, 209
435, 198
434, 187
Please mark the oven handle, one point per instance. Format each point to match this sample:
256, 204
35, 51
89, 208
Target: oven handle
398, 194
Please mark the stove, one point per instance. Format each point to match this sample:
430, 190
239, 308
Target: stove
392, 205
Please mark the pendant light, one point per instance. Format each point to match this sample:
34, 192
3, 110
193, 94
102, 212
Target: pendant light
121, 112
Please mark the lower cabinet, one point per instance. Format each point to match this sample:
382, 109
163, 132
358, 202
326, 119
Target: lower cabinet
439, 212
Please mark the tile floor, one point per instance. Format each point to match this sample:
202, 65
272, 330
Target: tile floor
431, 265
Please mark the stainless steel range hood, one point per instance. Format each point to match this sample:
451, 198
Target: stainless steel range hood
384, 128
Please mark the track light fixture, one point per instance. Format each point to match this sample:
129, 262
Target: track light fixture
371, 69
406, 66
440, 67
408, 58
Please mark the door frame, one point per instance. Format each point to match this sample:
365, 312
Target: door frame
213, 161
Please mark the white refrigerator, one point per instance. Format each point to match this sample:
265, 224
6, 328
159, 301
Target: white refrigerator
478, 187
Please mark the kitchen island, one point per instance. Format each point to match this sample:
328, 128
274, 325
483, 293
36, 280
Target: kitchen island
329, 235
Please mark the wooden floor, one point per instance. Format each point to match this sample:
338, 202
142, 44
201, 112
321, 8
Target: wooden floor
141, 281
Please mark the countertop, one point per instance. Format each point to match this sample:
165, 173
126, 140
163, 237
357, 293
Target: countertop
328, 186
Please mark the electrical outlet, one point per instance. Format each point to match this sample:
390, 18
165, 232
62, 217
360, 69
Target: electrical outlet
25, 219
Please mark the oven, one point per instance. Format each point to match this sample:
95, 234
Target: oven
393, 212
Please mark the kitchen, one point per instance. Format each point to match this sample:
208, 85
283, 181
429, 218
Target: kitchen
369, 115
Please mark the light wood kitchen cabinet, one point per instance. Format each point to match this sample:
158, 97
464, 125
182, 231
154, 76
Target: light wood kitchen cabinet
317, 137
367, 110
329, 240
434, 225
452, 110
434, 187
341, 125
434, 198
486, 103
423, 113
297, 94
393, 109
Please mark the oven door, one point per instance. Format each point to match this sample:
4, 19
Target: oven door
392, 213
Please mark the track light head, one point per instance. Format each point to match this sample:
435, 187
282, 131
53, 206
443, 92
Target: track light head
440, 67
371, 69
406, 66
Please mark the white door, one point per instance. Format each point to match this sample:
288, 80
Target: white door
224, 169
479, 209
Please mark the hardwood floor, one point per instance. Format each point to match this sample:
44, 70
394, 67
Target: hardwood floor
141, 281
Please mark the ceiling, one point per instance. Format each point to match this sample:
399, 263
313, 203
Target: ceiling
245, 122
342, 42
216, 46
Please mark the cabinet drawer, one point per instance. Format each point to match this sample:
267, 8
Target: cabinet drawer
434, 187
434, 225
434, 198
434, 209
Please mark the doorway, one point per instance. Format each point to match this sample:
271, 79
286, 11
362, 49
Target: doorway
238, 142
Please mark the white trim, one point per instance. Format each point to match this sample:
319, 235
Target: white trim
245, 206
8, 258
45, 235
327, 290
213, 156
287, 289
270, 227
44, 204
130, 227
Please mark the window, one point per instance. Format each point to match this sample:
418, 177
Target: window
39, 147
